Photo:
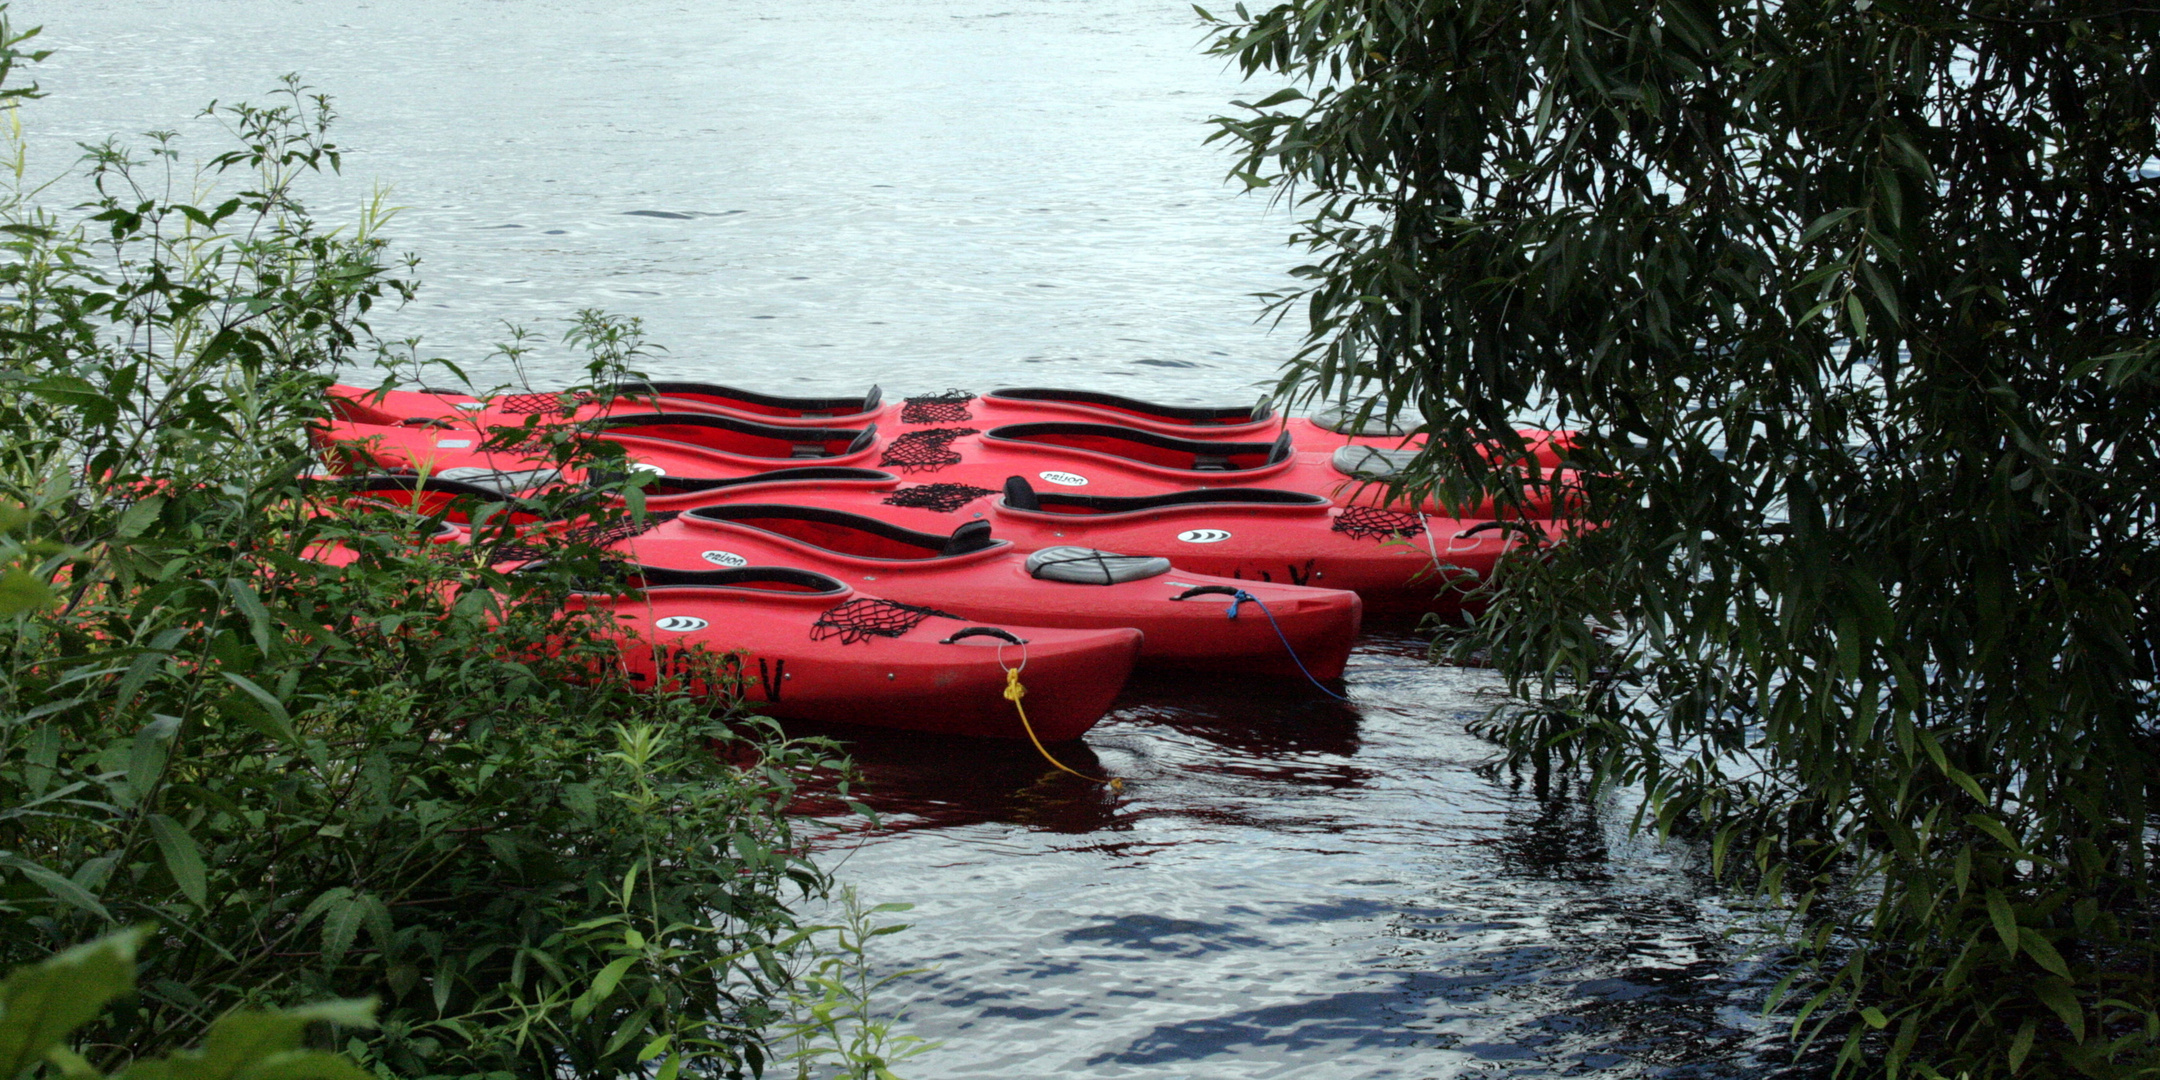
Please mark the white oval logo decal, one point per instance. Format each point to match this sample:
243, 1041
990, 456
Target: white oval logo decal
639, 466
1065, 479
453, 444
681, 624
471, 405
1204, 536
723, 558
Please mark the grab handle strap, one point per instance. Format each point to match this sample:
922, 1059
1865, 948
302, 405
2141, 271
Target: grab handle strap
985, 631
1206, 590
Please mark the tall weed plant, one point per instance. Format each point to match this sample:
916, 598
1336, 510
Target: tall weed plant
410, 777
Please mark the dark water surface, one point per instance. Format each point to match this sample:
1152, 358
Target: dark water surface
1290, 887
978, 193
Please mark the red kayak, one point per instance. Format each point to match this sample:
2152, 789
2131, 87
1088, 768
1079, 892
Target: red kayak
1184, 615
810, 647
1396, 561
1323, 432
1105, 459
723, 448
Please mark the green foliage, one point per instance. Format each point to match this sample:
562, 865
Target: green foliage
42, 1004
1855, 305
318, 756
832, 1015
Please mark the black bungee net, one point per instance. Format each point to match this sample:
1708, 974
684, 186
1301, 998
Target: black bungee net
927, 450
943, 498
950, 407
530, 404
1373, 523
860, 620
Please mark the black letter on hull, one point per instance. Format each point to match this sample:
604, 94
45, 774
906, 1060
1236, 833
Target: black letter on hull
772, 678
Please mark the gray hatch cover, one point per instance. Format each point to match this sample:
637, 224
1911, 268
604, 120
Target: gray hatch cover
1371, 462
498, 481
1087, 566
1343, 420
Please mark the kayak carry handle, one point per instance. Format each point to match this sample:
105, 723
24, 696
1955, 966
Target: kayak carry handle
1207, 590
1532, 533
985, 631
426, 422
1495, 526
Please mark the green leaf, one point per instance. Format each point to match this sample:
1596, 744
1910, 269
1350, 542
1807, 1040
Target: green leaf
21, 591
603, 985
274, 710
342, 919
138, 517
2057, 995
2043, 951
2022, 1044
1998, 907
60, 888
251, 605
269, 1044
146, 759
183, 860
43, 1003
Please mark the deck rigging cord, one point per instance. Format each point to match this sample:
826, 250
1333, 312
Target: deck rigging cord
1238, 598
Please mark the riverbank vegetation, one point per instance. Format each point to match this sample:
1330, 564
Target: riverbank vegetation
1854, 304
407, 777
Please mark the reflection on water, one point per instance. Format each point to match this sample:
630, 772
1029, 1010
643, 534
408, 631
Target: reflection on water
1290, 887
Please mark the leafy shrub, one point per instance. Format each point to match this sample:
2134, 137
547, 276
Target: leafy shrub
411, 776
1855, 305
42, 1004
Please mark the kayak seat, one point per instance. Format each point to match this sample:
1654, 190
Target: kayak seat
733, 435
972, 536
801, 474
1020, 495
1344, 420
750, 401
843, 533
1371, 462
1087, 566
1196, 415
1148, 447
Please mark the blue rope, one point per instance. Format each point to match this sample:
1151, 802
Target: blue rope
1238, 598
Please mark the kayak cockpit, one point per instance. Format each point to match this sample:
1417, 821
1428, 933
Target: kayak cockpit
661, 395
741, 438
1022, 496
1146, 447
853, 535
1198, 416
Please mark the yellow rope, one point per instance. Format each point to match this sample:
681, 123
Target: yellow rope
1013, 693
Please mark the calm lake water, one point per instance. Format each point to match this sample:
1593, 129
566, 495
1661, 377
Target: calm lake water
978, 193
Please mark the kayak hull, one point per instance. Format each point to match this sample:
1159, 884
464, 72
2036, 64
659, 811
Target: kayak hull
916, 681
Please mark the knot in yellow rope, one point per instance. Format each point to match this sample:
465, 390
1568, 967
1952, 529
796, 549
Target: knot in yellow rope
1013, 690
